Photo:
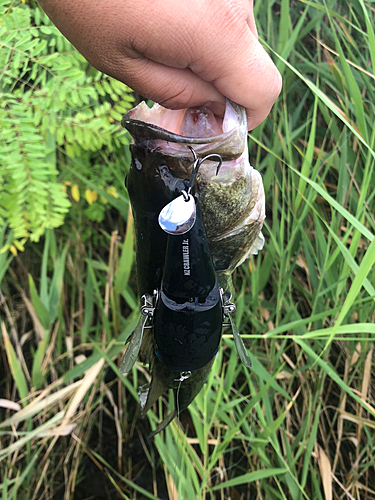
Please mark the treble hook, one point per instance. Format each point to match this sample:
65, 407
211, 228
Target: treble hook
179, 216
198, 162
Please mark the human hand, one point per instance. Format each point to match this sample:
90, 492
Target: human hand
179, 53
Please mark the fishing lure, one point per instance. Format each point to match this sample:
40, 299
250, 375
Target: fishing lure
188, 310
198, 208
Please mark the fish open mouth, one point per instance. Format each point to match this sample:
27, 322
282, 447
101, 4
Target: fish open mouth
170, 130
193, 122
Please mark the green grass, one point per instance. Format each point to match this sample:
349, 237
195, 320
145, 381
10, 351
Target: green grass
300, 423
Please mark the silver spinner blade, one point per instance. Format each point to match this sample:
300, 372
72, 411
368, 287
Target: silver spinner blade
131, 354
179, 216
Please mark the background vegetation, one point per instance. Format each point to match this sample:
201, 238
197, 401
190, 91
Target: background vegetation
300, 423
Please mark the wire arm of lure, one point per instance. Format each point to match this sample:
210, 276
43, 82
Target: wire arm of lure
229, 308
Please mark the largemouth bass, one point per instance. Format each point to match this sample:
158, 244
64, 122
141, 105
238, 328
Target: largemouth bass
198, 209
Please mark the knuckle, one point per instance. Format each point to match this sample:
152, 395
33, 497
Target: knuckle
178, 97
276, 85
230, 12
270, 84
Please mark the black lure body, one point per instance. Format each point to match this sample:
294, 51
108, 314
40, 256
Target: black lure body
188, 315
186, 312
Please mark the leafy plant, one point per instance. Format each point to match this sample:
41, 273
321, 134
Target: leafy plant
56, 113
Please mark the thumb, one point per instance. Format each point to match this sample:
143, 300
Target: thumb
240, 69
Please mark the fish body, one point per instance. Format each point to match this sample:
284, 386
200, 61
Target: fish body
187, 311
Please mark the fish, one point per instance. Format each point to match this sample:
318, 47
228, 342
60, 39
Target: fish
198, 208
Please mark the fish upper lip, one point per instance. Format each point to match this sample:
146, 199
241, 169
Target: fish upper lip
138, 128
230, 145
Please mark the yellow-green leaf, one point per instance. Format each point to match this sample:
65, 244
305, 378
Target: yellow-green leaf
112, 191
91, 196
75, 192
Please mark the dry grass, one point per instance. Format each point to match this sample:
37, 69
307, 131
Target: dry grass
299, 424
